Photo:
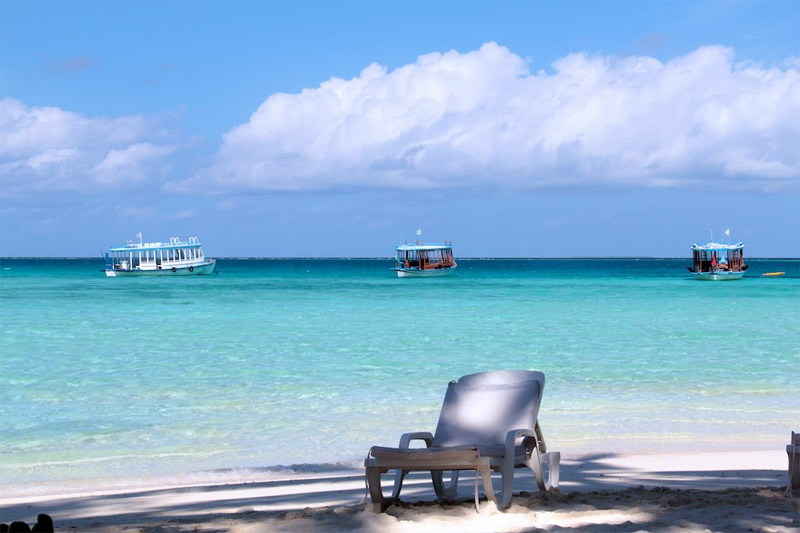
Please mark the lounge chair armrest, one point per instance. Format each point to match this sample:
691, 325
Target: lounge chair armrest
513, 435
406, 438
534, 459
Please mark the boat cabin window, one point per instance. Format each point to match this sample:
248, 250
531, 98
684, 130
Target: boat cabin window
425, 259
708, 260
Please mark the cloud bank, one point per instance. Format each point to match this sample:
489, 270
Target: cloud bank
479, 119
48, 149
483, 119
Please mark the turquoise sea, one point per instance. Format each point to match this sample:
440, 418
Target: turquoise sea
303, 364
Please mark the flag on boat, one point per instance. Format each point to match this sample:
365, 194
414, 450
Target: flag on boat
728, 232
419, 232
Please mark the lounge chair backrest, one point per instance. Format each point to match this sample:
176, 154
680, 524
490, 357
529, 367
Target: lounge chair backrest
482, 408
503, 377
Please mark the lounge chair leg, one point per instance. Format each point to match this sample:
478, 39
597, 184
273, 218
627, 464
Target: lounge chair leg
451, 491
438, 485
507, 477
379, 502
398, 483
486, 476
445, 492
477, 499
553, 460
793, 452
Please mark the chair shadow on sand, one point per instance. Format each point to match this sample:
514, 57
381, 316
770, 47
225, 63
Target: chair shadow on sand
588, 482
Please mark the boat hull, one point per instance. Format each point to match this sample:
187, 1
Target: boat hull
718, 276
415, 273
207, 267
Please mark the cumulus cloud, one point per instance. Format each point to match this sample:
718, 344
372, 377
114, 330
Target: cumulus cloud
482, 118
51, 149
129, 164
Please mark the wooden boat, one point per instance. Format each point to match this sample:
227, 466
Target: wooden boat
424, 260
717, 261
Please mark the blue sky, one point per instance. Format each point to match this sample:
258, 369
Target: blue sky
514, 129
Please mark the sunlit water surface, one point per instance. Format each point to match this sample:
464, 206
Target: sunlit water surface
307, 363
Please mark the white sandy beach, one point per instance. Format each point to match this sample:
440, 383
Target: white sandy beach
726, 491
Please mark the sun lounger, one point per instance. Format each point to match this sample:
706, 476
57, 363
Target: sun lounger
488, 423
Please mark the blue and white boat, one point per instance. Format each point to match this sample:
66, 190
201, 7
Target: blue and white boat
176, 258
424, 260
716, 261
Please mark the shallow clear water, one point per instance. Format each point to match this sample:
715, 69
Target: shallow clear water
309, 362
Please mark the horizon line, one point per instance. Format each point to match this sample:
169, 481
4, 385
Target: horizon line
390, 258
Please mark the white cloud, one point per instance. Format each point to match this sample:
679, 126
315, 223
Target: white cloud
130, 164
482, 117
48, 148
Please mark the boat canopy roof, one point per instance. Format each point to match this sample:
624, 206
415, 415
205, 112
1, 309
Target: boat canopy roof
717, 246
173, 243
423, 247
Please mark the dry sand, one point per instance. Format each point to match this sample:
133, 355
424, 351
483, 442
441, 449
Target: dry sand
731, 491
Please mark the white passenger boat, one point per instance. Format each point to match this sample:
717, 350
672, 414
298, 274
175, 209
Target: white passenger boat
716, 261
424, 260
176, 258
